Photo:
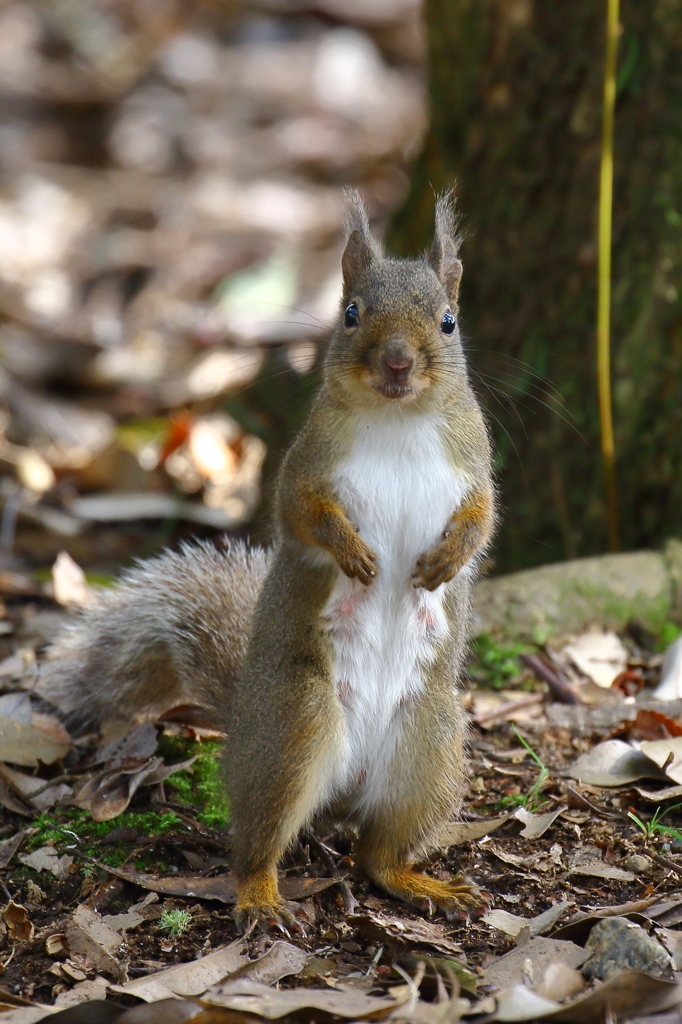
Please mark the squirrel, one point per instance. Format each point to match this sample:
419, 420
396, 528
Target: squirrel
330, 661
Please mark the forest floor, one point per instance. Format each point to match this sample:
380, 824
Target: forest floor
118, 888
171, 222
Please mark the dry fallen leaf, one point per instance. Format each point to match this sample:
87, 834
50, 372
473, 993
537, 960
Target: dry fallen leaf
252, 997
24, 785
12, 803
560, 982
108, 793
508, 970
621, 997
667, 913
667, 754
545, 860
89, 934
600, 869
672, 793
599, 656
518, 1002
222, 887
614, 763
19, 927
33, 1014
671, 940
535, 825
136, 915
16, 1010
47, 859
458, 832
281, 961
12, 667
653, 725
512, 924
68, 580
413, 932
23, 744
174, 1011
138, 744
188, 979
123, 508
8, 847
56, 944
16, 706
92, 989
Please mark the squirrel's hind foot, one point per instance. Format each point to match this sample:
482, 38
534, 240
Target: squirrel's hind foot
259, 902
457, 897
276, 916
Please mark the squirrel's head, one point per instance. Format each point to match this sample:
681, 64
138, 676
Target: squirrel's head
397, 340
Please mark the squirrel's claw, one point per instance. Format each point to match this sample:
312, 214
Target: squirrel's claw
434, 568
456, 897
276, 915
360, 565
465, 898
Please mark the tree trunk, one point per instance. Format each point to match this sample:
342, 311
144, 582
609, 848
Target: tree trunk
516, 90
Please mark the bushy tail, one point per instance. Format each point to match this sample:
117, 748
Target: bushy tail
173, 631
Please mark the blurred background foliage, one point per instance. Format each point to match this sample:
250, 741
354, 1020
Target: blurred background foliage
170, 231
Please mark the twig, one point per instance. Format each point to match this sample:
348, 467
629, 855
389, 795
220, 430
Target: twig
560, 687
577, 798
105, 894
512, 705
636, 907
48, 785
350, 904
209, 833
670, 864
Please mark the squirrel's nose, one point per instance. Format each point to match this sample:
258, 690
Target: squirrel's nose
399, 364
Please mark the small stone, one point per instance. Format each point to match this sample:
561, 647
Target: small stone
638, 863
617, 944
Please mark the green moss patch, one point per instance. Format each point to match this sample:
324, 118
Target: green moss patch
200, 786
496, 663
73, 830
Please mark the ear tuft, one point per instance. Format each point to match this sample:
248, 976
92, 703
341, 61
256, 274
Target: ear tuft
443, 255
361, 249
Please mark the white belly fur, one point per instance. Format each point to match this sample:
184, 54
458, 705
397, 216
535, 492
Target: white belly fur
399, 489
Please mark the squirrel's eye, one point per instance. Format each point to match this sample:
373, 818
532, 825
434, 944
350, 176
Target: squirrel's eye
352, 316
447, 324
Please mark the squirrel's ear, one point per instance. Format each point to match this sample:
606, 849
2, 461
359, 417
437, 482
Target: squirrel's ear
443, 255
361, 249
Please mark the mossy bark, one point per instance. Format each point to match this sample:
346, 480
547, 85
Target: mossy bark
516, 88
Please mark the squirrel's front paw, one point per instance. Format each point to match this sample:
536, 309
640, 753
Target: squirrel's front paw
436, 566
359, 562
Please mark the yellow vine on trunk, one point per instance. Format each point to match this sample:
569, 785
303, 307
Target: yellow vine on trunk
604, 275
